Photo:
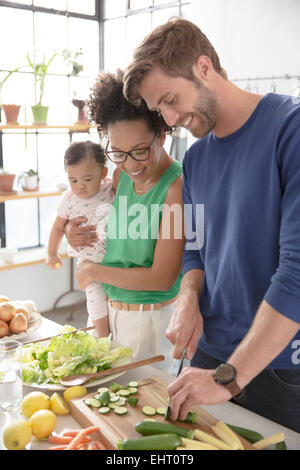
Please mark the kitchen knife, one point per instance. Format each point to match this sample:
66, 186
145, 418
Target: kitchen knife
178, 372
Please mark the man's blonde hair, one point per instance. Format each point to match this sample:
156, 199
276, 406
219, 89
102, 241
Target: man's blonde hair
174, 47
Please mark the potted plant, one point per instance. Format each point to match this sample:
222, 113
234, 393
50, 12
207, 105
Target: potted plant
74, 67
6, 181
40, 70
29, 180
11, 111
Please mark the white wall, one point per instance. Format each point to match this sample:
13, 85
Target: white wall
254, 38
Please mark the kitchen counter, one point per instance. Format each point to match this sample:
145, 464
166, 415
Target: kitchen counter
227, 412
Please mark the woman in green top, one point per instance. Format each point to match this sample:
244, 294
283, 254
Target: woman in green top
145, 239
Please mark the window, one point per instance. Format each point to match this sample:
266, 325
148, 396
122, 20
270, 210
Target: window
106, 32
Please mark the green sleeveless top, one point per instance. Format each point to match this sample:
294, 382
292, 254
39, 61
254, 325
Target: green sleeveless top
132, 232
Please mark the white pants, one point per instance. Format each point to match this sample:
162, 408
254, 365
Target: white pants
144, 331
96, 302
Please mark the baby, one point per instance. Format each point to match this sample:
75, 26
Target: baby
91, 196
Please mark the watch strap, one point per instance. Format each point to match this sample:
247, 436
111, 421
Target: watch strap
233, 388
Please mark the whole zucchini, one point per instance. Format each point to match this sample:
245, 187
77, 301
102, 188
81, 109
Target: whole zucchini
250, 436
148, 428
155, 442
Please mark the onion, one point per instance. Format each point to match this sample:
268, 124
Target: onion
7, 311
18, 323
4, 328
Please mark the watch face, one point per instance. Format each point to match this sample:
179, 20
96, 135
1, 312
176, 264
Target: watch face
225, 374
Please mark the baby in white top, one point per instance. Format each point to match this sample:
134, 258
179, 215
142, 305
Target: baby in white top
91, 196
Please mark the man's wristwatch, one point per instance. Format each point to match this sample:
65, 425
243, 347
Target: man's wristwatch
225, 375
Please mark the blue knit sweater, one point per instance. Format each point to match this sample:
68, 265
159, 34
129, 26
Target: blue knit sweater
249, 248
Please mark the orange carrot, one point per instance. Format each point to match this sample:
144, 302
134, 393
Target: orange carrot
71, 432
73, 445
57, 439
62, 447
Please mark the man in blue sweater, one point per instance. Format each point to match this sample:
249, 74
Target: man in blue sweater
238, 311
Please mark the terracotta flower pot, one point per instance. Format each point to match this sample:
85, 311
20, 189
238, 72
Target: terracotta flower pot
11, 112
7, 183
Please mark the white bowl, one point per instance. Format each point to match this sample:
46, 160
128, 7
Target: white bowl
8, 254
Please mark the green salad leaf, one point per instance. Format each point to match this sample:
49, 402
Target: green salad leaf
68, 354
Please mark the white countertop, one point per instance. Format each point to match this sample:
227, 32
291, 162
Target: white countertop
227, 412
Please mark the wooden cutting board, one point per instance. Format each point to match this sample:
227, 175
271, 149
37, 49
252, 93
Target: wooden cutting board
151, 392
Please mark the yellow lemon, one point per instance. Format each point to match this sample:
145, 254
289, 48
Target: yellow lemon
42, 423
33, 402
58, 405
74, 392
17, 435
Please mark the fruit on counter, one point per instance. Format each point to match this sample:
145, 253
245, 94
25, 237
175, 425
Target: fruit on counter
74, 392
58, 405
43, 423
17, 435
4, 329
154, 442
7, 311
18, 323
33, 402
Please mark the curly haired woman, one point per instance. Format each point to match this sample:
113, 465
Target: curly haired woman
141, 269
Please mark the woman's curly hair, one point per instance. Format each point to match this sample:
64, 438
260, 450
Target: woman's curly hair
107, 105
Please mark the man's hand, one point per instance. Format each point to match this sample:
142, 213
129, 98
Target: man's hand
195, 386
84, 274
186, 326
78, 235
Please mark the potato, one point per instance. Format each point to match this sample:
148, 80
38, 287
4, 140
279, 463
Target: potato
23, 310
4, 328
7, 311
18, 323
3, 298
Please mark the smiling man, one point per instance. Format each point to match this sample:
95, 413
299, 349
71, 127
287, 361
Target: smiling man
239, 304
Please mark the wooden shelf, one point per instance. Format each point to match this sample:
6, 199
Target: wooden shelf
71, 127
28, 257
28, 195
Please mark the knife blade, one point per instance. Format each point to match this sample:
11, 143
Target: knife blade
178, 372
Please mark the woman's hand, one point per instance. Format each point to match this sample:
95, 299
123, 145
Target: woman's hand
78, 235
84, 274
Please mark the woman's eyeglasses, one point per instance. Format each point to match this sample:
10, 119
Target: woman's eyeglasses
140, 155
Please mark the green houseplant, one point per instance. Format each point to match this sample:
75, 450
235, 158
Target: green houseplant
11, 111
29, 180
40, 70
6, 181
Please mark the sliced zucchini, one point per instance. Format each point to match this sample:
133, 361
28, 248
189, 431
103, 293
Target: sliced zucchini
150, 419
104, 410
114, 399
133, 384
113, 406
161, 411
132, 390
102, 389
133, 401
123, 392
92, 402
121, 402
121, 410
148, 410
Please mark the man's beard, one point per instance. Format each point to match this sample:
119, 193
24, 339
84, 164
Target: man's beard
205, 110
